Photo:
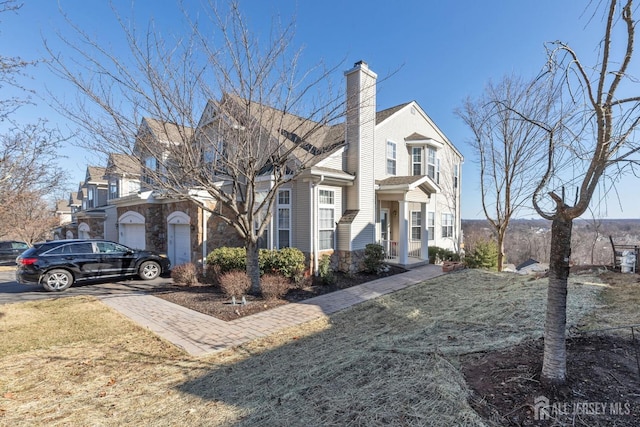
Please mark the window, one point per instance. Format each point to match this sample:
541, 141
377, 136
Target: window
113, 189
150, 166
326, 219
284, 219
325, 197
90, 194
447, 225
431, 163
391, 158
416, 160
456, 172
416, 225
431, 225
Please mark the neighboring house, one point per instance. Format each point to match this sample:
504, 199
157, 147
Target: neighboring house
390, 177
64, 212
94, 220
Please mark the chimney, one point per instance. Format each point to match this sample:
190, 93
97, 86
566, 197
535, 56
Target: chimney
361, 116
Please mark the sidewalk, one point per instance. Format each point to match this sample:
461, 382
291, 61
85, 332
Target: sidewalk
199, 334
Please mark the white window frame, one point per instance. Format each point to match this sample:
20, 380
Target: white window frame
456, 174
416, 226
392, 158
113, 189
150, 164
283, 221
447, 225
326, 205
431, 225
416, 152
431, 162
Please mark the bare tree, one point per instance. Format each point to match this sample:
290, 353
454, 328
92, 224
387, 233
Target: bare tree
31, 220
265, 119
594, 137
507, 147
29, 161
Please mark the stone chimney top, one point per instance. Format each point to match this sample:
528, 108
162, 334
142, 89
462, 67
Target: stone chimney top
361, 63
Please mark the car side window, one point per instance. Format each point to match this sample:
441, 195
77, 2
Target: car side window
110, 247
20, 245
81, 248
64, 249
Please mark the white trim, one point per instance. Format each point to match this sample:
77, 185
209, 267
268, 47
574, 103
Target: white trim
131, 217
178, 217
283, 206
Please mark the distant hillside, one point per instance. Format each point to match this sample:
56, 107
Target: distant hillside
531, 238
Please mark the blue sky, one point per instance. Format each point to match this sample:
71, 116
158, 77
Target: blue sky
441, 52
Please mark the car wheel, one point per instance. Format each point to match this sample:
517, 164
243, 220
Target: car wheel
57, 280
149, 270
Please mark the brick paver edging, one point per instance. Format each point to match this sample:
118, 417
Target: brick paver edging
199, 334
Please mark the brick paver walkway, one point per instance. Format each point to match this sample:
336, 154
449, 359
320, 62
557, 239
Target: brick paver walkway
199, 334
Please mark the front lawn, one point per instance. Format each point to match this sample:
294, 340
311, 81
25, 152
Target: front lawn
395, 360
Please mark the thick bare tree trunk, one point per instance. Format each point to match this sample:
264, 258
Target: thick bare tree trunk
501, 234
554, 365
253, 266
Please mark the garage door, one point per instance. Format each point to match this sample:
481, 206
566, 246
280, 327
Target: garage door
179, 244
132, 235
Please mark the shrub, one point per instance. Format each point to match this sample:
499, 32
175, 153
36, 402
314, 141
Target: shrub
235, 283
483, 255
324, 270
437, 255
228, 259
274, 286
185, 274
373, 258
289, 262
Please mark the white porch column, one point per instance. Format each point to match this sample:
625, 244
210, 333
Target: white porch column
403, 232
424, 248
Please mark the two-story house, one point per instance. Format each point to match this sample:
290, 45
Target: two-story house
394, 179
390, 177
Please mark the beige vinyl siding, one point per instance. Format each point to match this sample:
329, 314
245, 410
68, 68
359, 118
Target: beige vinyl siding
334, 161
301, 216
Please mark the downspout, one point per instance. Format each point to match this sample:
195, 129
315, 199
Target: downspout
315, 228
205, 219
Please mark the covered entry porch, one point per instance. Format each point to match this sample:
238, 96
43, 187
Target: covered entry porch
401, 219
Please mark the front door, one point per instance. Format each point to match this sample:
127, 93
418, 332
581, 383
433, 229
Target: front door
384, 225
385, 232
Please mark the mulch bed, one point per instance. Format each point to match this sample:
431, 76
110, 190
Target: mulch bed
210, 300
602, 388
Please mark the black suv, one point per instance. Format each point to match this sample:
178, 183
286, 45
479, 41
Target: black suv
10, 249
57, 264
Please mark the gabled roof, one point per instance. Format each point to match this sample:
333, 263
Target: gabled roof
123, 164
62, 206
385, 114
308, 141
168, 132
95, 175
73, 199
407, 183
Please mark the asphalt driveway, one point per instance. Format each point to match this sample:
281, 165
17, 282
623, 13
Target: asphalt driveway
11, 291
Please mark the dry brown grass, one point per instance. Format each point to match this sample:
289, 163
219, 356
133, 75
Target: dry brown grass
617, 304
390, 361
